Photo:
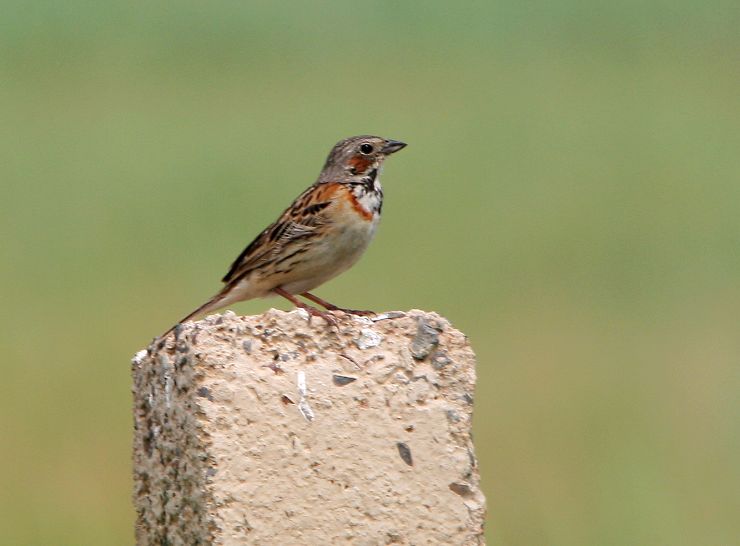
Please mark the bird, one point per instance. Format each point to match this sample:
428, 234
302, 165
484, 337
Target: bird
321, 234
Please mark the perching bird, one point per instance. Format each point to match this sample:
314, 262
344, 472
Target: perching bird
320, 235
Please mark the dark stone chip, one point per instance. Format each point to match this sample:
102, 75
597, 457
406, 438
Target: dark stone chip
342, 380
425, 340
405, 452
461, 489
204, 393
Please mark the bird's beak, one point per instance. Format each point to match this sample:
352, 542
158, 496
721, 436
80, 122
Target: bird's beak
392, 146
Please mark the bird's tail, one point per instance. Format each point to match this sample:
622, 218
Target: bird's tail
216, 302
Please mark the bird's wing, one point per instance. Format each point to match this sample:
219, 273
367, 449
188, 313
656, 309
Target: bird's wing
300, 221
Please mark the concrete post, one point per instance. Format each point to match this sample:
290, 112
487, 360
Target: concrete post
269, 430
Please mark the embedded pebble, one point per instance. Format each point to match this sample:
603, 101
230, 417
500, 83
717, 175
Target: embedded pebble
285, 357
462, 489
204, 392
440, 360
426, 339
342, 380
405, 452
303, 405
388, 315
139, 357
368, 339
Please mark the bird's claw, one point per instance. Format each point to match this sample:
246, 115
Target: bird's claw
328, 317
360, 312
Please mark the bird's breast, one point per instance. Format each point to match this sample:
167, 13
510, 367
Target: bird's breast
356, 213
352, 222
349, 224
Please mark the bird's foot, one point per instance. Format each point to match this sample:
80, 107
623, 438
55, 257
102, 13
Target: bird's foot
359, 312
313, 312
331, 307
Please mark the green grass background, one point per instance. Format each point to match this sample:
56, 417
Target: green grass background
570, 198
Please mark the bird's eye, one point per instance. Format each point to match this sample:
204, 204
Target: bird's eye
366, 148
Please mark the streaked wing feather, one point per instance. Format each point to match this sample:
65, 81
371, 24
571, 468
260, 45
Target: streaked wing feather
299, 221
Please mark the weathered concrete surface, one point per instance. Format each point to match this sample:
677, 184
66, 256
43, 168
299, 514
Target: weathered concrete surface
270, 430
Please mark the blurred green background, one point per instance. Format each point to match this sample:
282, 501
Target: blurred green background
570, 198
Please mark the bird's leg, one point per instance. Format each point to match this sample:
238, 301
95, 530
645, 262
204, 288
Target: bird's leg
312, 311
332, 307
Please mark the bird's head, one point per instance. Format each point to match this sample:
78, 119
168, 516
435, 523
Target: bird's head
356, 157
